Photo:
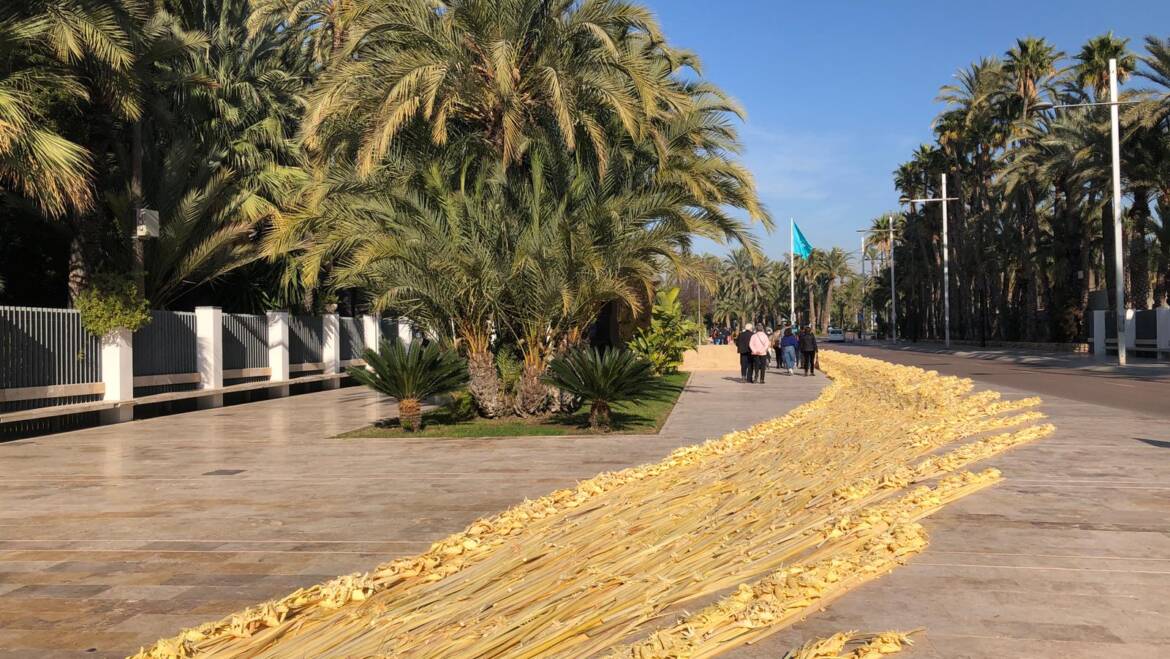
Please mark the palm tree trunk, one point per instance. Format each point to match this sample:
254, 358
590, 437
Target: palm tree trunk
410, 414
484, 384
599, 416
78, 267
136, 204
1139, 253
1162, 289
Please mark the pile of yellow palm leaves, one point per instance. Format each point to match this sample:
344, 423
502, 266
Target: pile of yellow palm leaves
808, 506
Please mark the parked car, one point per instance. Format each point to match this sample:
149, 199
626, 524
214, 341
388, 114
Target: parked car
836, 335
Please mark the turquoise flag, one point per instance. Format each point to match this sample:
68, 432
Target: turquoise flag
800, 244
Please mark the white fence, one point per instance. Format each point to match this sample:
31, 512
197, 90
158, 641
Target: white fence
52, 370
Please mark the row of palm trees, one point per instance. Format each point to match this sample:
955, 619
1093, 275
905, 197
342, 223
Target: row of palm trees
502, 173
752, 288
1031, 233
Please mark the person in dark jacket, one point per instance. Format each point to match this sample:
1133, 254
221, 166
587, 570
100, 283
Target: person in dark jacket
743, 345
808, 350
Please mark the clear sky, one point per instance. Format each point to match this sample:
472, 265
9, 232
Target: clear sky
839, 92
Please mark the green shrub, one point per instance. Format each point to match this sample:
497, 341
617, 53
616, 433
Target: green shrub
461, 407
669, 335
111, 303
410, 374
604, 379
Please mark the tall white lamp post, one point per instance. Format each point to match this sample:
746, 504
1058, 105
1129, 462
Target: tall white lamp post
1118, 249
946, 259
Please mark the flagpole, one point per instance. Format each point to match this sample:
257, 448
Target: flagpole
792, 271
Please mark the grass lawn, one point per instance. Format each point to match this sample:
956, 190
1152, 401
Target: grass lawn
635, 419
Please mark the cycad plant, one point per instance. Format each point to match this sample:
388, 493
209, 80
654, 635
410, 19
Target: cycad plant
411, 373
602, 378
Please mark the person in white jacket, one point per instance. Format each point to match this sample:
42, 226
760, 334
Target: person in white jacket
759, 343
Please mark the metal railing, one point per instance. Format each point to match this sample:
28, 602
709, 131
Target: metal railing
43, 348
245, 346
352, 340
305, 339
166, 346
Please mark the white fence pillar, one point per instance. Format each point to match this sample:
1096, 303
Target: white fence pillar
1099, 334
278, 351
371, 332
405, 331
118, 374
1130, 332
209, 353
331, 348
1162, 314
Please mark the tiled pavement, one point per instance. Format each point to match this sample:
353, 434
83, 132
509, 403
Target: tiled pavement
112, 537
115, 536
1068, 558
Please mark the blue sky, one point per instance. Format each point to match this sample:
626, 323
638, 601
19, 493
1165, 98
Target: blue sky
839, 92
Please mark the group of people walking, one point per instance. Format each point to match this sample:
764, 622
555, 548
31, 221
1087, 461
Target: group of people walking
757, 346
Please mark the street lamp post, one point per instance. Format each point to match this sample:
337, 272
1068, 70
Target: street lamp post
946, 259
893, 287
1118, 277
1118, 250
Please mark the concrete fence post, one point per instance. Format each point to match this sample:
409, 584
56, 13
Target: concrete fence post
371, 331
278, 351
1130, 332
331, 348
405, 331
1099, 334
209, 353
1163, 320
118, 374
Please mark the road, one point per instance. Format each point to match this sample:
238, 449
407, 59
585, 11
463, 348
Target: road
1144, 394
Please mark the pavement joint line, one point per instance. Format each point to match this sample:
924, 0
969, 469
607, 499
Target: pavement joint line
1078, 556
1093, 486
331, 552
1000, 637
222, 481
1041, 568
222, 542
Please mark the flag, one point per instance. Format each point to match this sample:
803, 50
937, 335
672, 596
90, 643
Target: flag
800, 245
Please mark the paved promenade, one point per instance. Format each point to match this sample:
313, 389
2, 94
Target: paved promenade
113, 537
1069, 557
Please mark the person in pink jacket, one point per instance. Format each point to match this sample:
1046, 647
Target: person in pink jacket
759, 344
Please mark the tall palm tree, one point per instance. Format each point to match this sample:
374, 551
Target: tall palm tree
495, 76
835, 269
1092, 63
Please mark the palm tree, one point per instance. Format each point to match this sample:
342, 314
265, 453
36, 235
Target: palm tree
41, 45
410, 374
494, 76
36, 161
835, 269
603, 379
1092, 67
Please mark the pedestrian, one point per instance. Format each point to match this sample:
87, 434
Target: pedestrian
808, 350
743, 345
788, 345
776, 347
759, 345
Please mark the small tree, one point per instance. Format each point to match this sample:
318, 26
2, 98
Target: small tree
410, 374
602, 378
669, 335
